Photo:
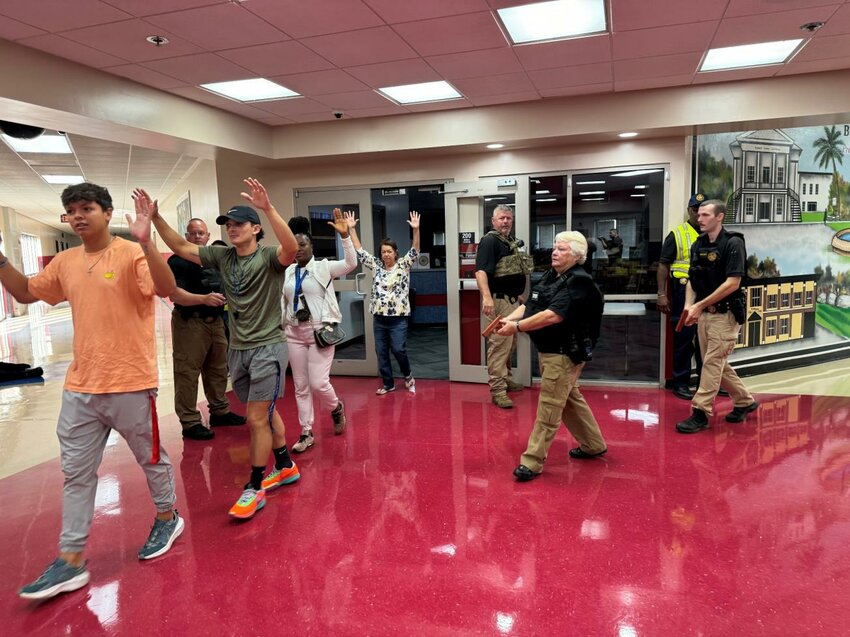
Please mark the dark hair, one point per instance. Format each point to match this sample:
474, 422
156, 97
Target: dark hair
719, 206
389, 242
87, 192
301, 225
218, 242
261, 234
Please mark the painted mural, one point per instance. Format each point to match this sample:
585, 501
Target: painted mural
788, 192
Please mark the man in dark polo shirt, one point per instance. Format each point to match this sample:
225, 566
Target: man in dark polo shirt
563, 317
502, 273
199, 342
716, 304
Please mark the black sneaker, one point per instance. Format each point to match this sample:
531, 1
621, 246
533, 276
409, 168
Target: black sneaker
697, 421
524, 474
683, 392
739, 414
198, 432
581, 454
226, 420
338, 416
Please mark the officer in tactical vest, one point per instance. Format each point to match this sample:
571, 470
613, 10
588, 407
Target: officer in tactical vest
676, 260
717, 305
562, 316
501, 271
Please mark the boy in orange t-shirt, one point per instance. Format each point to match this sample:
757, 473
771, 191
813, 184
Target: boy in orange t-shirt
110, 284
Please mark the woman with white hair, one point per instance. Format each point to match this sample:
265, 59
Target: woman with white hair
563, 315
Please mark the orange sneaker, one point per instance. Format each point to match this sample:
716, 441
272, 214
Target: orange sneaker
248, 504
277, 477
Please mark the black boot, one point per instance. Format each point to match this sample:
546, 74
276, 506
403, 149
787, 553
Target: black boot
697, 421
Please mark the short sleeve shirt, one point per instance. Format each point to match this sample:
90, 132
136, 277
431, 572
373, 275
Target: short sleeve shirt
252, 286
390, 288
111, 294
490, 250
197, 280
551, 293
713, 262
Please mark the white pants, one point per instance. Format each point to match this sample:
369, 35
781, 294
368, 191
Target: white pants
311, 370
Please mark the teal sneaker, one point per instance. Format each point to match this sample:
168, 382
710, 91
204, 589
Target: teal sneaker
161, 537
59, 577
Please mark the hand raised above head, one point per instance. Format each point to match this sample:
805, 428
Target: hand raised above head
259, 196
146, 210
350, 219
339, 224
414, 219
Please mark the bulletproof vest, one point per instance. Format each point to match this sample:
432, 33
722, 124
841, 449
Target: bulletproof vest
708, 272
514, 263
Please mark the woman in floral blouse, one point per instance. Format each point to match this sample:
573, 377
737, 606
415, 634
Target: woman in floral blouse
390, 302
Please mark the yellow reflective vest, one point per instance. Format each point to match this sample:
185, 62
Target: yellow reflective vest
685, 234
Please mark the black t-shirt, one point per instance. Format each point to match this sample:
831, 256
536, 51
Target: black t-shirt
669, 251
713, 263
574, 297
197, 280
490, 250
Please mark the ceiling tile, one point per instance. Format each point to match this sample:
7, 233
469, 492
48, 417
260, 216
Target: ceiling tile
469, 32
397, 73
280, 58
761, 7
127, 39
572, 76
549, 55
824, 48
838, 24
146, 76
815, 66
201, 68
448, 105
767, 28
307, 118
494, 85
665, 65
150, 7
630, 84
393, 11
508, 98
300, 19
663, 40
476, 63
357, 99
59, 46
222, 26
13, 30
628, 14
292, 107
388, 109
320, 82
737, 74
205, 97
369, 46
61, 15
581, 89
275, 120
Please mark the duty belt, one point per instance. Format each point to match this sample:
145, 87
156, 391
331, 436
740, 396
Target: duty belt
206, 318
500, 295
719, 308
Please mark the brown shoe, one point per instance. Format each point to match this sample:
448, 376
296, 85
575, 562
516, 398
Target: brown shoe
502, 401
512, 386
338, 416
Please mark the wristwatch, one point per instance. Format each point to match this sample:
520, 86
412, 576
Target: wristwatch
516, 323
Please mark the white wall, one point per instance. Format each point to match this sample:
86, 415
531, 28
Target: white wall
202, 186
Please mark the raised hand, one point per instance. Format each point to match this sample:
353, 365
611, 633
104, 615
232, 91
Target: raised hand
414, 219
146, 210
350, 219
340, 223
259, 196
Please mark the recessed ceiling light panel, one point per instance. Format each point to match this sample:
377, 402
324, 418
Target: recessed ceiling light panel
748, 55
627, 135
63, 179
555, 20
44, 144
255, 90
495, 146
418, 93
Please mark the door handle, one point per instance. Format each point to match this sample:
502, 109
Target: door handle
357, 278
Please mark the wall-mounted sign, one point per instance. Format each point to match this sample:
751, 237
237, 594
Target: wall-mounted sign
466, 237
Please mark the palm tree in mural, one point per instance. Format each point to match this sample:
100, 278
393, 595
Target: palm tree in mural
830, 150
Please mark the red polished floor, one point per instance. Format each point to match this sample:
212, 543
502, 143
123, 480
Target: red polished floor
412, 524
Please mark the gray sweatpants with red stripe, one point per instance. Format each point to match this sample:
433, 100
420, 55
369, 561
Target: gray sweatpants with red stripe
83, 428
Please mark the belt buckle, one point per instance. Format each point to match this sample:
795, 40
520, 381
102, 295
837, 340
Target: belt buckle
712, 309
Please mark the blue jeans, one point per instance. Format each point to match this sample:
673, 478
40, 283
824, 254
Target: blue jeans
685, 347
391, 335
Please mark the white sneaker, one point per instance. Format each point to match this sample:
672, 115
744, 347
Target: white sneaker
410, 383
305, 441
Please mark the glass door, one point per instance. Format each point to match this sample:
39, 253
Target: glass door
355, 356
469, 208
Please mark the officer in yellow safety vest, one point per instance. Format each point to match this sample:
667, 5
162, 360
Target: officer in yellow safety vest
676, 259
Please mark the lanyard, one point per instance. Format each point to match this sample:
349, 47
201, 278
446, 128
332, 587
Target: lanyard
298, 279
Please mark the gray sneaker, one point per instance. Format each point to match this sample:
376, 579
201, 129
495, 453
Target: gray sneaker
59, 577
305, 441
338, 416
162, 536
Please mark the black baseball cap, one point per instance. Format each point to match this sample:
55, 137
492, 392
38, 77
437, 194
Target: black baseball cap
696, 199
239, 214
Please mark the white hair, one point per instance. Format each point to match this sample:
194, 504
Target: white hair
503, 208
576, 241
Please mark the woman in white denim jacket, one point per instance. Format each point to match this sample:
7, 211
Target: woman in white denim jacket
309, 303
